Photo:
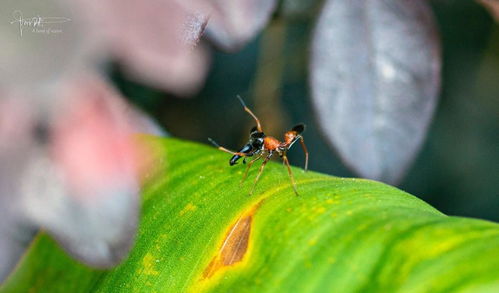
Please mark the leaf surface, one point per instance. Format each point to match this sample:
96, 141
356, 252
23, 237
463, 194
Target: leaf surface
201, 232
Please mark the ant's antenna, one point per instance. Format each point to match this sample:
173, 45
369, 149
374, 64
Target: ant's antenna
213, 142
258, 125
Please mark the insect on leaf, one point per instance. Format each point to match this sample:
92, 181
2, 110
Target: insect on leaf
375, 69
201, 232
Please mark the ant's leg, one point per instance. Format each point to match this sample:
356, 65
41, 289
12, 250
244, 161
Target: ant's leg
260, 172
286, 161
302, 142
226, 150
249, 166
258, 125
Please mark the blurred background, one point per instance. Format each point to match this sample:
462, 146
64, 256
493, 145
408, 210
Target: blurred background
457, 169
68, 161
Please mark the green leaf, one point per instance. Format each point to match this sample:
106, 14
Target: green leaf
339, 235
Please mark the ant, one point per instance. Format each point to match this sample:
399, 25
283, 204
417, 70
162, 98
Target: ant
263, 146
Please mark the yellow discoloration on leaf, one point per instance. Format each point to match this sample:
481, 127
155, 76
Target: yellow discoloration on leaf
320, 210
235, 244
188, 208
332, 201
149, 265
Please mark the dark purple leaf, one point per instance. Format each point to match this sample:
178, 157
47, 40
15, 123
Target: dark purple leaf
375, 69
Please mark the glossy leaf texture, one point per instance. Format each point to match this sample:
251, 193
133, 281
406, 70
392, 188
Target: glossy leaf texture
375, 76
201, 232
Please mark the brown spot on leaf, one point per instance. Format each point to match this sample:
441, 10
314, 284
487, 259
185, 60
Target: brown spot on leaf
234, 245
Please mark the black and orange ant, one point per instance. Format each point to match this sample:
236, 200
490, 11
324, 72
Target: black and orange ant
263, 146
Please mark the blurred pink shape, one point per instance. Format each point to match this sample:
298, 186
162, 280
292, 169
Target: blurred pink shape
149, 38
15, 121
156, 41
68, 163
91, 136
235, 22
160, 50
80, 183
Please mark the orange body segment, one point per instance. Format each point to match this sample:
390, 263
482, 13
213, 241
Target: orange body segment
270, 143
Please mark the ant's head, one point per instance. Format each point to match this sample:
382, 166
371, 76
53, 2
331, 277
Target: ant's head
256, 138
254, 145
295, 133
